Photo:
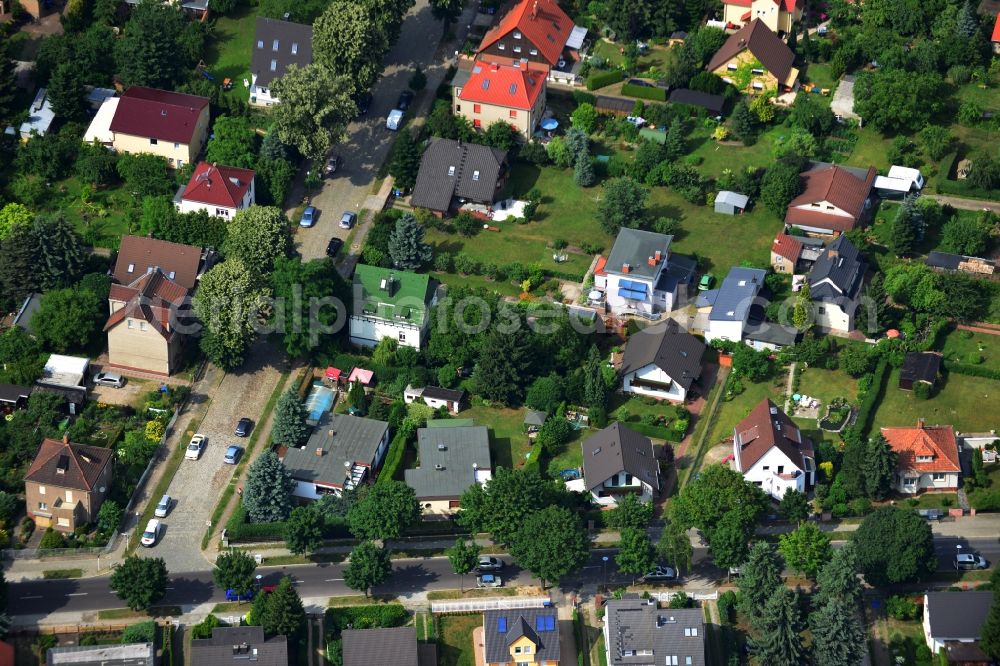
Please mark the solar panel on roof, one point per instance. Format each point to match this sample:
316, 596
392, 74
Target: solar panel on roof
550, 623
502, 625
540, 623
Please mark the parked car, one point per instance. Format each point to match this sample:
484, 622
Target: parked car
308, 217
660, 574
489, 580
706, 281
151, 533
394, 120
233, 454
404, 101
109, 379
232, 595
348, 219
244, 427
195, 447
969, 561
163, 507
333, 247
332, 165
489, 563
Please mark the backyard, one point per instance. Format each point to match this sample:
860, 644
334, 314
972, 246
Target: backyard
101, 216
455, 639
508, 441
733, 411
958, 402
228, 51
966, 347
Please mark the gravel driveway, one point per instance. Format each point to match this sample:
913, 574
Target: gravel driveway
197, 485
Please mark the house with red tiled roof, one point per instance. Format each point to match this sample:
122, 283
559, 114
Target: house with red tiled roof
755, 60
169, 124
771, 452
778, 15
536, 31
490, 92
834, 199
67, 483
995, 38
221, 191
785, 251
926, 457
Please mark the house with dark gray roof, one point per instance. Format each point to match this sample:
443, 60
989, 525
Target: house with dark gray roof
835, 284
945, 262
276, 46
919, 367
435, 397
662, 361
731, 303
457, 170
386, 646
452, 459
343, 452
618, 461
13, 397
642, 276
525, 635
130, 654
953, 622
711, 103
771, 452
232, 646
637, 633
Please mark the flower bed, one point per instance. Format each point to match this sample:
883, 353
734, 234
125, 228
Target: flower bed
838, 415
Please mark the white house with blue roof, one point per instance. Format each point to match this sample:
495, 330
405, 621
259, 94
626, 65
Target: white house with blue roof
642, 276
732, 302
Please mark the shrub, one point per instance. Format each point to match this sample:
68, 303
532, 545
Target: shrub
644, 92
204, 628
921, 391
365, 617
602, 79
52, 539
860, 506
143, 632
901, 608
727, 606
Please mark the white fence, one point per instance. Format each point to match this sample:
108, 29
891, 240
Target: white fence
665, 597
494, 603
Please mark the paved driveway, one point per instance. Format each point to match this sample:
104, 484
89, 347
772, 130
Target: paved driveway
197, 485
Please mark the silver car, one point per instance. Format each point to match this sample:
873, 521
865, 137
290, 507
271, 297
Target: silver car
163, 507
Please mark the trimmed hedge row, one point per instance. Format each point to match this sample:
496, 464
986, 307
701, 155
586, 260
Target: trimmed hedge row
365, 617
659, 432
644, 92
946, 185
239, 530
602, 79
394, 458
866, 411
972, 370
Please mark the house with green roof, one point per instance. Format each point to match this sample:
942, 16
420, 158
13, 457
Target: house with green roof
389, 303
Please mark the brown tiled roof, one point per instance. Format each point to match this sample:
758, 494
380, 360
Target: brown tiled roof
936, 441
81, 465
216, 185
152, 298
787, 247
144, 253
158, 114
836, 185
803, 217
765, 46
767, 427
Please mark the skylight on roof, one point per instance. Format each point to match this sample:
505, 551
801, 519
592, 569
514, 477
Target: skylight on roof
451, 171
475, 175
260, 43
274, 45
295, 48
513, 88
486, 84
274, 65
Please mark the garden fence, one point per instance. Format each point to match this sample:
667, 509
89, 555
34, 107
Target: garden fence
495, 603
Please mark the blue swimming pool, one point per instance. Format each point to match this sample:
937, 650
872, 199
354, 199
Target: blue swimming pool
319, 401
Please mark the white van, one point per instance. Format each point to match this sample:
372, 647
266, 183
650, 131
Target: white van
394, 120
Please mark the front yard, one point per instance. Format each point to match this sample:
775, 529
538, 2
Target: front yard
455, 639
959, 403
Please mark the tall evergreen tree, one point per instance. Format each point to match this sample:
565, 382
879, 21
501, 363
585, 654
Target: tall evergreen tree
266, 497
8, 86
503, 368
583, 172
879, 468
406, 244
906, 227
405, 163
290, 415
283, 614
968, 23
779, 639
759, 577
838, 638
65, 91
989, 633
838, 579
595, 389
674, 141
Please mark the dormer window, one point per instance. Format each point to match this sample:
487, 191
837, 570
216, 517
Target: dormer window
274, 45
925, 459
501, 46
295, 48
517, 35
171, 274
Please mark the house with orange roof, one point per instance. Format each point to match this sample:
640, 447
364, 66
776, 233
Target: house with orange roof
926, 457
221, 191
995, 38
538, 32
778, 15
491, 92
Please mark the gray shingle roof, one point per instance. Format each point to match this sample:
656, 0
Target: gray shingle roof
619, 449
288, 36
343, 438
13, 392
842, 264
957, 615
707, 101
396, 646
634, 247
670, 348
455, 168
737, 293
463, 447
439, 393
219, 649
635, 625
732, 198
534, 417
502, 627
920, 366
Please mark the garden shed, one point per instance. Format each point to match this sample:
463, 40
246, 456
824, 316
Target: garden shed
731, 203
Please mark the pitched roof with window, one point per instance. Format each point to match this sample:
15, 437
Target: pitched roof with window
763, 44
786, 246
957, 615
502, 628
68, 465
222, 186
765, 428
451, 168
392, 646
924, 448
509, 86
639, 631
449, 459
229, 645
158, 114
541, 22
616, 449
139, 255
633, 248
276, 45
340, 438
393, 295
737, 294
839, 272
670, 348
153, 298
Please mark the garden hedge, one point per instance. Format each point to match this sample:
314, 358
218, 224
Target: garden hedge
365, 617
866, 411
394, 458
972, 370
602, 79
963, 188
644, 92
657, 432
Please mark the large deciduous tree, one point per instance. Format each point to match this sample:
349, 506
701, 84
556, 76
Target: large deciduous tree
717, 492
369, 566
895, 100
258, 236
231, 303
794, 506
894, 545
267, 496
304, 529
140, 581
305, 307
234, 142
623, 204
406, 244
675, 546
968, 236
806, 549
350, 41
635, 552
781, 183
501, 506
384, 511
550, 543
315, 108
631, 512
463, 557
68, 319
235, 571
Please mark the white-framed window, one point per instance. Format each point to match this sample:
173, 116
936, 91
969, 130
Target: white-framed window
152, 142
402, 336
131, 268
274, 45
274, 65
69, 496
171, 274
672, 660
129, 323
688, 661
176, 145
517, 34
62, 522
527, 649
501, 46
41, 490
925, 459
43, 506
517, 49
938, 476
909, 481
690, 631
260, 43
533, 52
756, 71
517, 649
758, 86
731, 67
475, 175
295, 48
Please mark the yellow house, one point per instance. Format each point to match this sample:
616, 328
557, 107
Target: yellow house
755, 60
778, 15
171, 125
491, 92
523, 637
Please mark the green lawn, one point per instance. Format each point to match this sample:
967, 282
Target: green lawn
960, 345
933, 501
102, 217
477, 281
825, 385
986, 98
228, 52
455, 639
733, 411
819, 73
656, 57
571, 456
959, 403
508, 441
870, 149
905, 641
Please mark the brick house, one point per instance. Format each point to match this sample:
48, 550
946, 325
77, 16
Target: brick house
492, 92
67, 483
169, 124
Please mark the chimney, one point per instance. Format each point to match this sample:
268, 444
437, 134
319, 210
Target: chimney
319, 451
831, 253
651, 261
534, 10
65, 438
920, 423
626, 268
658, 255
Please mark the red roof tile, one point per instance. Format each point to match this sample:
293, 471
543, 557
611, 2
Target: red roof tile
996, 30
836, 185
599, 268
81, 465
158, 114
803, 217
503, 85
787, 5
937, 442
767, 427
153, 298
222, 186
144, 254
787, 247
542, 22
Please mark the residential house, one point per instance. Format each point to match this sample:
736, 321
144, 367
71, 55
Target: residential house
995, 36
277, 44
450, 170
523, 636
778, 15
790, 254
755, 60
662, 361
731, 303
638, 633
169, 124
731, 203
343, 452
393, 646
926, 457
139, 255
536, 31
130, 654
944, 262
953, 622
452, 459
389, 303
618, 461
435, 397
221, 191
195, 9
67, 483
836, 282
13, 398
65, 376
642, 276
491, 92
771, 452
231, 646
40, 116
919, 368
834, 199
